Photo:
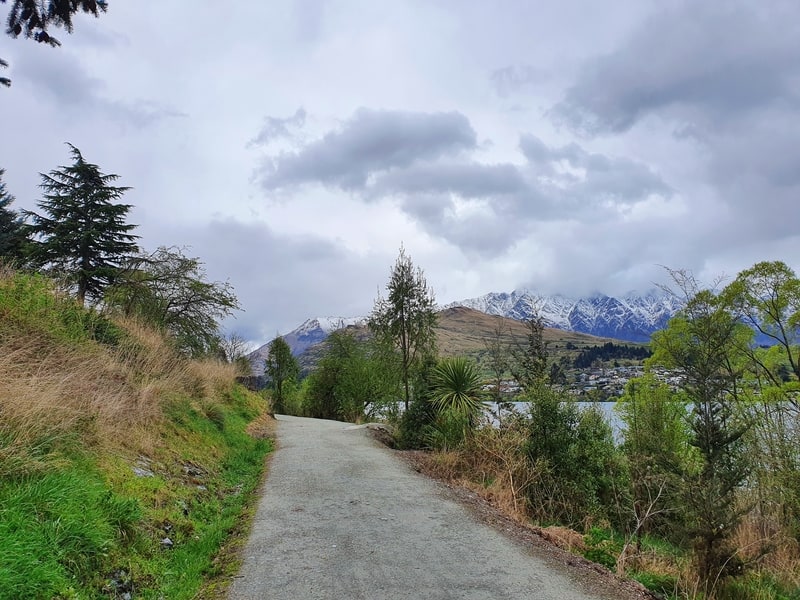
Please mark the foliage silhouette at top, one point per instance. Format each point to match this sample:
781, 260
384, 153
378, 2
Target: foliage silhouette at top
12, 235
82, 233
31, 19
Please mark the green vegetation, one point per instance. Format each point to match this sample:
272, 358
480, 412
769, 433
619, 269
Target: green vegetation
12, 236
124, 466
82, 235
354, 380
406, 319
700, 498
282, 369
168, 290
609, 351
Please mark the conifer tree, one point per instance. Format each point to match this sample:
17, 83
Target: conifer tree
406, 317
12, 235
81, 234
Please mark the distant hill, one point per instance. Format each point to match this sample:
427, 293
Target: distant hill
460, 331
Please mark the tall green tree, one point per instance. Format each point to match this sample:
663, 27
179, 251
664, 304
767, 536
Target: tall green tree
12, 234
82, 233
529, 367
32, 18
169, 290
767, 297
354, 379
703, 341
282, 369
406, 317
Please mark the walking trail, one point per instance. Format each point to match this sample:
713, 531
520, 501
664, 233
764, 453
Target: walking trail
341, 517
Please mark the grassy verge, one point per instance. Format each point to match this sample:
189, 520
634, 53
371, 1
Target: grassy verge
125, 469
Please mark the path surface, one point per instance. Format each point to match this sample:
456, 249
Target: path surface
342, 518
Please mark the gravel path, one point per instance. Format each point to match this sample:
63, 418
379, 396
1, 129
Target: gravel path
341, 518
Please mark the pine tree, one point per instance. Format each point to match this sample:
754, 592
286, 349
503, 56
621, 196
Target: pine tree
406, 318
82, 234
12, 235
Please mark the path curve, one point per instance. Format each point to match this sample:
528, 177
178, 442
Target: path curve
342, 518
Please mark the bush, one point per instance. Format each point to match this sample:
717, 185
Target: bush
415, 423
575, 452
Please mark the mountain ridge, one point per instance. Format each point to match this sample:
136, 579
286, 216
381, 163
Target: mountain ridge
631, 318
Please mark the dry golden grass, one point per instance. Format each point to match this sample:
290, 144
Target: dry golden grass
762, 544
565, 538
492, 466
52, 392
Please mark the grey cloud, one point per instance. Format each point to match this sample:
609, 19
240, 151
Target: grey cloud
369, 143
276, 128
515, 78
58, 77
483, 233
278, 278
467, 179
595, 177
485, 209
706, 61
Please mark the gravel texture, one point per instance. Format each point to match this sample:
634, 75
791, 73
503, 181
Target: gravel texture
342, 517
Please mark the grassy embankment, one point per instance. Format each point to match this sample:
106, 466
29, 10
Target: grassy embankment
110, 443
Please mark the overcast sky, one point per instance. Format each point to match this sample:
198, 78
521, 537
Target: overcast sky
567, 146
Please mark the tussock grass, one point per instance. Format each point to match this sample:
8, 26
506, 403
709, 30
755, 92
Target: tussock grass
83, 401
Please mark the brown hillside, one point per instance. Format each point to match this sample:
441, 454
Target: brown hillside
466, 331
463, 331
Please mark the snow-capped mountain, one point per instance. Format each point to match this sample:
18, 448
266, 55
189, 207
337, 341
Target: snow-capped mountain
309, 333
633, 317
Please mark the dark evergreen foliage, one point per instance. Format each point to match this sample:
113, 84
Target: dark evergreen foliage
609, 351
81, 234
12, 234
31, 19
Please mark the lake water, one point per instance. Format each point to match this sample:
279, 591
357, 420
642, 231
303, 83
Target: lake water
607, 408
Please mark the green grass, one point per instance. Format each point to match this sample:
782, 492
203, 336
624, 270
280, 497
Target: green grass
28, 302
65, 533
56, 530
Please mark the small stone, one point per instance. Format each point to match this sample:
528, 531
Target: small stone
166, 543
